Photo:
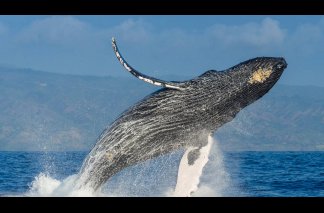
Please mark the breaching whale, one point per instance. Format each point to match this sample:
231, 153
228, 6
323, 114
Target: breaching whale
180, 115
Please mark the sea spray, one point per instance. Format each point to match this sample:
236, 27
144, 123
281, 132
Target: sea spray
150, 178
46, 186
155, 177
43, 185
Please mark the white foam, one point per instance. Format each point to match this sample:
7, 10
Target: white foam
211, 180
43, 185
46, 186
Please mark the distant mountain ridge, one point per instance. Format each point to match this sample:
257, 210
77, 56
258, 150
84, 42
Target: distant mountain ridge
42, 111
47, 111
288, 118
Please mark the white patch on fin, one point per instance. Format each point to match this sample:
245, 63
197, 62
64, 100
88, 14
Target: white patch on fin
127, 67
173, 87
189, 175
146, 79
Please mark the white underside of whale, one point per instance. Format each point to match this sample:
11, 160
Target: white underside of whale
189, 175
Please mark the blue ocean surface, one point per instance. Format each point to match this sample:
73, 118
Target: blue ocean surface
284, 174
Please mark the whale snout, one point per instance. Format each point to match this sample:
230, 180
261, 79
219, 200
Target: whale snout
278, 68
281, 64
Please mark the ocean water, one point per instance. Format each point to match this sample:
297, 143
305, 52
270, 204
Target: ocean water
284, 174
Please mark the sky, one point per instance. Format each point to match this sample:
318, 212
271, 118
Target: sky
163, 45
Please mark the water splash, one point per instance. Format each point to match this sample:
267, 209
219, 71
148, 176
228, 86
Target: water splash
43, 185
46, 186
155, 177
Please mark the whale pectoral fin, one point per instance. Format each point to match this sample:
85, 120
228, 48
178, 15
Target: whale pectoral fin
190, 169
148, 79
192, 156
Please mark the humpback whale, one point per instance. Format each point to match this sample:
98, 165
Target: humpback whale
180, 115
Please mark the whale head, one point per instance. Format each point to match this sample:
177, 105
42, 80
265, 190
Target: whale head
255, 77
239, 86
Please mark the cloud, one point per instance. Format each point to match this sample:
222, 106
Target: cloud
179, 38
268, 32
307, 38
54, 29
308, 33
132, 30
